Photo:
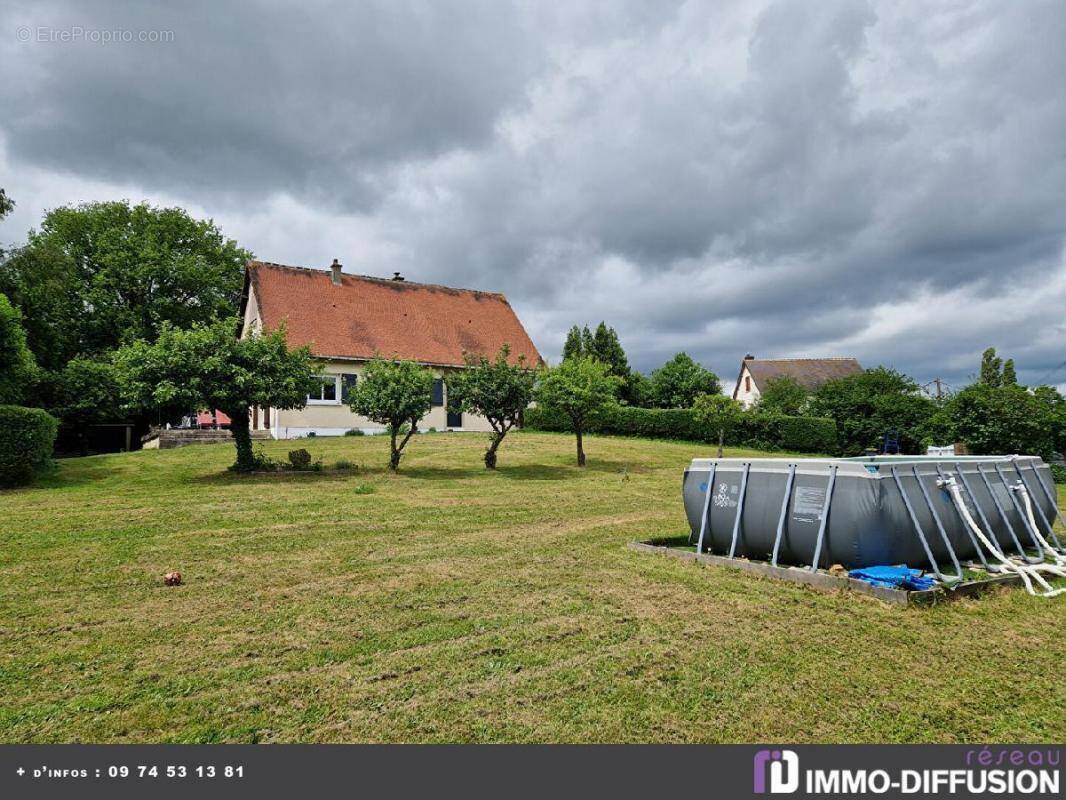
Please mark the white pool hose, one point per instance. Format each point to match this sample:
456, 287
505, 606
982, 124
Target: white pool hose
1027, 572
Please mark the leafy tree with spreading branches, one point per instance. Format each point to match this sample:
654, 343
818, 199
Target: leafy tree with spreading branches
396, 394
85, 394
497, 390
207, 366
580, 389
718, 413
99, 275
678, 382
783, 395
18, 369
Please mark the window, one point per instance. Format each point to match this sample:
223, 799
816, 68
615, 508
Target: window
327, 392
438, 392
348, 381
747, 383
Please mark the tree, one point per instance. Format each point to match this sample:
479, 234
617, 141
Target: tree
678, 382
1056, 405
574, 347
991, 368
7, 205
638, 390
783, 395
396, 394
718, 413
17, 367
85, 393
98, 275
607, 348
207, 366
580, 389
869, 404
43, 284
1009, 377
497, 390
999, 420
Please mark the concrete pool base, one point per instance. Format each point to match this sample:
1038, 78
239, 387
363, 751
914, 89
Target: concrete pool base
822, 580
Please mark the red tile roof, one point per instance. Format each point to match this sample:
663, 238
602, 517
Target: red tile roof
364, 317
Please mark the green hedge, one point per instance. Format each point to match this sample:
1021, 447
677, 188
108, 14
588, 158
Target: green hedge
1058, 472
27, 436
762, 431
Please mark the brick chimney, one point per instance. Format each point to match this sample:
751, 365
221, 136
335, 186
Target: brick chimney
335, 272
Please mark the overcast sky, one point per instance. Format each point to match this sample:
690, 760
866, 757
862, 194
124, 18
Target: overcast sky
878, 180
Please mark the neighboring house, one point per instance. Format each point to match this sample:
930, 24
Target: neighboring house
348, 319
810, 373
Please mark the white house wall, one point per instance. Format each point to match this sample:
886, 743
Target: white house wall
747, 397
335, 418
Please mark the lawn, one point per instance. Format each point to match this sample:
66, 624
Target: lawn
449, 604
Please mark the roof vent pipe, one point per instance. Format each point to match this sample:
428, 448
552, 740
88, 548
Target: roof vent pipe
335, 272
396, 276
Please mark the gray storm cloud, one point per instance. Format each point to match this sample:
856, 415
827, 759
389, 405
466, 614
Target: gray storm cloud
884, 180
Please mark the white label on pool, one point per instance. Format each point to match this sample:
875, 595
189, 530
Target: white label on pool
807, 503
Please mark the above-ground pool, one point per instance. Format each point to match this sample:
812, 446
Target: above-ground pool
866, 511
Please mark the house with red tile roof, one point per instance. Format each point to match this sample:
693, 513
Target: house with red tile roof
810, 373
347, 320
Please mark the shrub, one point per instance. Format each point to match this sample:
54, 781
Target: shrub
27, 436
1058, 472
262, 462
807, 434
343, 464
299, 459
355, 432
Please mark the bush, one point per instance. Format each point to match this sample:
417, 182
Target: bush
807, 434
299, 459
262, 462
1058, 472
754, 429
343, 464
27, 436
355, 432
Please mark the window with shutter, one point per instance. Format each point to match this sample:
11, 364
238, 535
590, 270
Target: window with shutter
348, 381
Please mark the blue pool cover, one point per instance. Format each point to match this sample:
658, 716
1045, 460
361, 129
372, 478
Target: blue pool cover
900, 577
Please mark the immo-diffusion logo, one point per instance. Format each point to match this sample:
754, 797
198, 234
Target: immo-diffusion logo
783, 768
1010, 771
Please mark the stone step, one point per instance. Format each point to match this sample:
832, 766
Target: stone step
184, 437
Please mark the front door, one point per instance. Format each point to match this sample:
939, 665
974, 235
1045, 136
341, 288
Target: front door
455, 419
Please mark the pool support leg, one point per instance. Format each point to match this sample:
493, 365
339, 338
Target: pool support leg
740, 509
825, 518
939, 525
1021, 513
706, 506
1003, 516
917, 526
784, 512
1054, 504
973, 539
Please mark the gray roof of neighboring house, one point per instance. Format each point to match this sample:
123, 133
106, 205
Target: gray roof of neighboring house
810, 373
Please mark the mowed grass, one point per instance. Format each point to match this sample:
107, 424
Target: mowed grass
447, 604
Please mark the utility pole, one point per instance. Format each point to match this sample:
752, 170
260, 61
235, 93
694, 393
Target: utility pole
939, 388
